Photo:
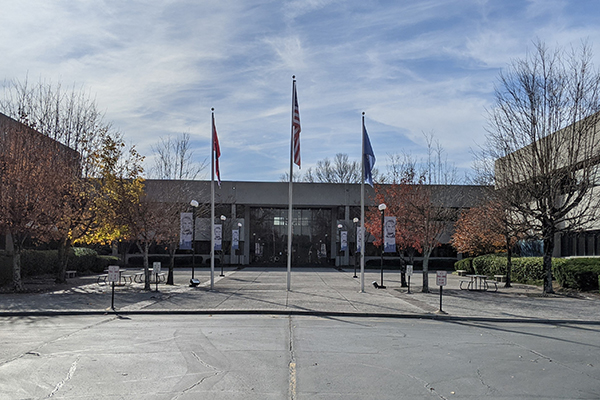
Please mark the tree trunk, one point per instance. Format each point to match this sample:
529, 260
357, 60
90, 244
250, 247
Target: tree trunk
426, 254
16, 261
170, 278
146, 267
508, 262
548, 250
63, 260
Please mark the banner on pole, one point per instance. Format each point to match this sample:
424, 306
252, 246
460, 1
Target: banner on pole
218, 237
344, 240
390, 235
186, 231
359, 236
235, 239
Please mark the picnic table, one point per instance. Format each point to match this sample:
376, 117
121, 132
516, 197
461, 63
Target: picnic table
477, 283
138, 277
123, 278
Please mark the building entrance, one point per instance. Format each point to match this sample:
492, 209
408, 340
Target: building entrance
310, 242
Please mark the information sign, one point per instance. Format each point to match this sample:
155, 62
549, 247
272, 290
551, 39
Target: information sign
441, 278
409, 270
156, 267
113, 273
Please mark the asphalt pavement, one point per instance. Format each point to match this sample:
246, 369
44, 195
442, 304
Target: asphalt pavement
313, 291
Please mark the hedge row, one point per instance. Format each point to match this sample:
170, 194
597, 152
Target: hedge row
397, 263
574, 273
579, 273
40, 262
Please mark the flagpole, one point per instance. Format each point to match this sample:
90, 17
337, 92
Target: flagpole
362, 208
290, 214
212, 201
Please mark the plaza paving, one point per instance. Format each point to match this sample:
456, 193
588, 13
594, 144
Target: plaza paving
317, 291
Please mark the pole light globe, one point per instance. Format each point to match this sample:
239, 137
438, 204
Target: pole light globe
382, 207
355, 220
194, 203
340, 226
239, 224
223, 218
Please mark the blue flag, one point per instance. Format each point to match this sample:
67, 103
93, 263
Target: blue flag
368, 157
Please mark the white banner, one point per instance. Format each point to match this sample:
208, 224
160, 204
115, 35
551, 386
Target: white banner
359, 235
344, 240
186, 231
235, 239
218, 237
390, 235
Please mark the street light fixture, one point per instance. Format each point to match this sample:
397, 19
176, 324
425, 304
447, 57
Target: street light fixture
355, 220
223, 218
382, 208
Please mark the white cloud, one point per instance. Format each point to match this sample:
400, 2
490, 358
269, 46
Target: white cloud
158, 68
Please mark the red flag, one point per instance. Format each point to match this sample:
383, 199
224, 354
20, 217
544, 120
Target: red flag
217, 150
296, 129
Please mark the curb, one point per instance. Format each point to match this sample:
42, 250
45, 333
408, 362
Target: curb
325, 314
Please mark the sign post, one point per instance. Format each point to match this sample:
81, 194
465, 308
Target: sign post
113, 276
156, 270
409, 272
441, 281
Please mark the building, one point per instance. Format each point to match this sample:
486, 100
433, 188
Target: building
556, 178
260, 211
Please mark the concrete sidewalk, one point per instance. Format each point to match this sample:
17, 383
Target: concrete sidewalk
317, 291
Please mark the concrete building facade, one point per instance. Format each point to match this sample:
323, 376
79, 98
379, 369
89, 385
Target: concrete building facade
321, 212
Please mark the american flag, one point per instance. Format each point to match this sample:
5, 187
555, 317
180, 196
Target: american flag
296, 129
217, 150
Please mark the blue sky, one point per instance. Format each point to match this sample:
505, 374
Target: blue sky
157, 68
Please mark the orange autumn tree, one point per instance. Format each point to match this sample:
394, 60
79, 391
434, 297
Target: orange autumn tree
485, 229
409, 234
476, 231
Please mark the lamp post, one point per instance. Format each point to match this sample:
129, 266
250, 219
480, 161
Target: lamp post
239, 224
223, 218
382, 208
339, 255
355, 220
194, 205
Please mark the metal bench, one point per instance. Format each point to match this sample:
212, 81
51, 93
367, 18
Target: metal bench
70, 274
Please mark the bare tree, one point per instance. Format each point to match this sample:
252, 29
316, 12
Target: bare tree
543, 135
69, 117
34, 172
174, 159
339, 170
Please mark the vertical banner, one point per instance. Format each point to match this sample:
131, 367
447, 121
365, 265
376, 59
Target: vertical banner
186, 231
344, 240
218, 237
390, 235
235, 239
359, 238
257, 249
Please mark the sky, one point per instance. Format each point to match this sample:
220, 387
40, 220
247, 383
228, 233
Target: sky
415, 68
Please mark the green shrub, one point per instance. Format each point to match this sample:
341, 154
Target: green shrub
490, 264
82, 259
524, 269
5, 269
38, 262
104, 261
578, 273
465, 264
